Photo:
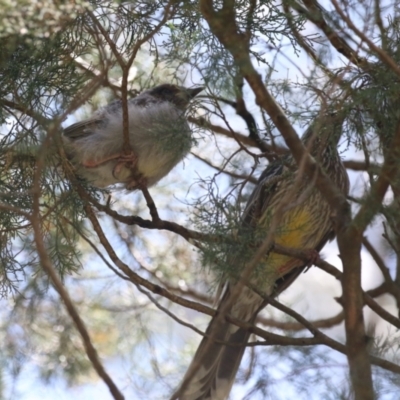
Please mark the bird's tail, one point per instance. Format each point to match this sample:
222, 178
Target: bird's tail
212, 372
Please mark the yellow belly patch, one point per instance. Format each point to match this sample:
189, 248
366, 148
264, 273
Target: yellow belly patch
295, 226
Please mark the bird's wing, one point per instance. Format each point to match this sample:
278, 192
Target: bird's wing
88, 126
262, 193
83, 128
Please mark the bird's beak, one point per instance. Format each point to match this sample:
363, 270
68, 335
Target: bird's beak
195, 91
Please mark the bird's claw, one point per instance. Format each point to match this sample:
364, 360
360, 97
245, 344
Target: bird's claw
138, 182
313, 257
124, 160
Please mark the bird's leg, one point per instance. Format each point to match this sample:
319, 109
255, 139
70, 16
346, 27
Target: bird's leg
136, 180
128, 160
121, 158
313, 257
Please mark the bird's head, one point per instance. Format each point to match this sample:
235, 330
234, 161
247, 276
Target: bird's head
178, 95
325, 131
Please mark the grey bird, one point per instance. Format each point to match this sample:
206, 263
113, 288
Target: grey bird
306, 223
159, 136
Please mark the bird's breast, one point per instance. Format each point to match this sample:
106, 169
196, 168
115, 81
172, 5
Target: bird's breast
301, 227
160, 137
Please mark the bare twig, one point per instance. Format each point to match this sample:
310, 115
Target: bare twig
224, 171
392, 287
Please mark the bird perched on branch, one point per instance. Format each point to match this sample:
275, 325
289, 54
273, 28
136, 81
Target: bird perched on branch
159, 137
304, 222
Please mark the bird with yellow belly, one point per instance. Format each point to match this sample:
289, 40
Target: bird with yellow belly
304, 223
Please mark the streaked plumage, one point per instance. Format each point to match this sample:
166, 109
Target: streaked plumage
306, 224
159, 134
